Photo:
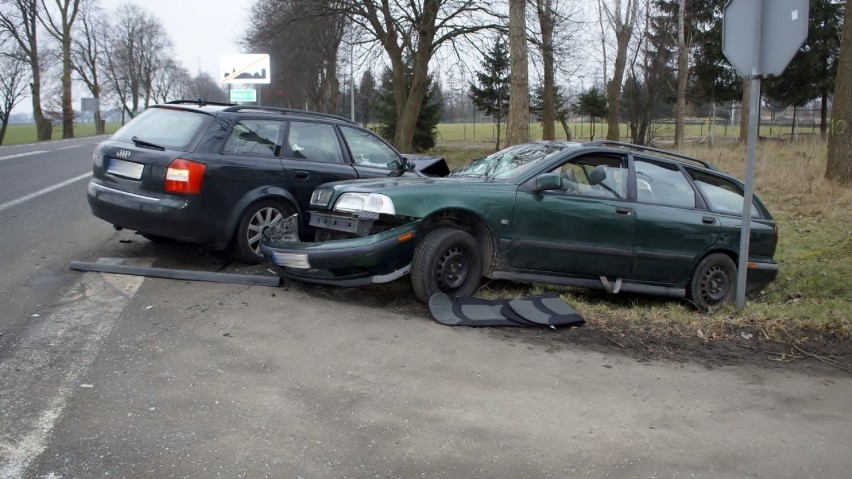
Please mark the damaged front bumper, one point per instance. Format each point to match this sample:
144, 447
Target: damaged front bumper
352, 262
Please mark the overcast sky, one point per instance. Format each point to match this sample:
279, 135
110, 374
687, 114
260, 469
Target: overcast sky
200, 30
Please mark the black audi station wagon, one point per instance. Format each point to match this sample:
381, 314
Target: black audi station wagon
221, 174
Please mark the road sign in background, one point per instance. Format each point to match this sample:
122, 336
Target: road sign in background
245, 68
760, 37
243, 95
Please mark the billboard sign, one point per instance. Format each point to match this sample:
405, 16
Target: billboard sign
244, 68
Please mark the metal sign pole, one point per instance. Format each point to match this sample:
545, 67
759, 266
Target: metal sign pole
748, 197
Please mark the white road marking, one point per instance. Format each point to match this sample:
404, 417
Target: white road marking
23, 199
19, 155
43, 370
69, 147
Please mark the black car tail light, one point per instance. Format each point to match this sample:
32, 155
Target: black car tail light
184, 176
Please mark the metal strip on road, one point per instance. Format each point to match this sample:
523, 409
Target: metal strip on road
47, 365
19, 155
23, 199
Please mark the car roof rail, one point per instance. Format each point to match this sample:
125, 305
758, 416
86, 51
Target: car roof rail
199, 102
633, 146
287, 111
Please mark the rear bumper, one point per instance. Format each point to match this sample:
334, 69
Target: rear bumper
760, 274
375, 259
171, 217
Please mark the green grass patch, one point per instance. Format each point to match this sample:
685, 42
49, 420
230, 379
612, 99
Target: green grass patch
23, 134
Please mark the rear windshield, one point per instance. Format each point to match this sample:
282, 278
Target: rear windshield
170, 128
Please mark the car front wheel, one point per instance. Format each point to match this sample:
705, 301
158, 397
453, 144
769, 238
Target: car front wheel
257, 218
713, 283
446, 261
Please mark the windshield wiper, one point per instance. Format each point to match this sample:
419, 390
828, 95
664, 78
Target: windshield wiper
147, 144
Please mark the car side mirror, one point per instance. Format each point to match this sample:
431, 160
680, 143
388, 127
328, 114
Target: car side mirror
548, 181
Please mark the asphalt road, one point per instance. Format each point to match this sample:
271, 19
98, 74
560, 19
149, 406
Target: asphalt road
122, 376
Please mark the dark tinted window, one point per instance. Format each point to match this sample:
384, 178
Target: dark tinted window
170, 128
367, 149
663, 184
255, 138
314, 142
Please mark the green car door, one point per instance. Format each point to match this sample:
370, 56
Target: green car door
585, 228
671, 230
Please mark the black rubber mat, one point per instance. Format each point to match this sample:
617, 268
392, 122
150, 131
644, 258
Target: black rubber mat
546, 310
469, 311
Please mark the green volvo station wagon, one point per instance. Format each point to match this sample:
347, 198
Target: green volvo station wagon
603, 215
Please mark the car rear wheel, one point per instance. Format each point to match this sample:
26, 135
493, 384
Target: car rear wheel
446, 261
713, 283
257, 218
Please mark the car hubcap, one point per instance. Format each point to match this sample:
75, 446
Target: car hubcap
263, 219
715, 285
452, 269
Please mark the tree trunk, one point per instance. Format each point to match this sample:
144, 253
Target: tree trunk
67, 107
839, 166
682, 75
548, 113
613, 89
517, 124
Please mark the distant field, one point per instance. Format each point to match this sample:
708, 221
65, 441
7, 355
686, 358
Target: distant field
22, 134
582, 131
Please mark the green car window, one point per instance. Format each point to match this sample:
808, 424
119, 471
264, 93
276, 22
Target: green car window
663, 184
723, 195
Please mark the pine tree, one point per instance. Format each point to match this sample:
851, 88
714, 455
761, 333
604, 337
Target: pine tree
492, 96
426, 127
592, 103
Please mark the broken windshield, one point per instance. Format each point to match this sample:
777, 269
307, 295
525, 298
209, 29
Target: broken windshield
508, 162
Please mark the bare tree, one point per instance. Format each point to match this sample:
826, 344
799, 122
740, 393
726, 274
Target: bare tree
13, 83
622, 19
547, 23
206, 87
279, 28
839, 166
19, 20
172, 83
137, 49
417, 28
58, 24
86, 53
517, 124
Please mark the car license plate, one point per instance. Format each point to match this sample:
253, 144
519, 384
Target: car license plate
126, 169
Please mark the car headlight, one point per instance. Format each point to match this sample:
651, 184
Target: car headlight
321, 197
366, 202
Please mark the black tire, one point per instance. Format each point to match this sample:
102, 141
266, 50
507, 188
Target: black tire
245, 246
714, 282
446, 261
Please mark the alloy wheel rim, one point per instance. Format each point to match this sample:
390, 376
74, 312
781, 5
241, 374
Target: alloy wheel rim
262, 220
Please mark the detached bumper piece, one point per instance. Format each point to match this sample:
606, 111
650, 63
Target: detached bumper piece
546, 310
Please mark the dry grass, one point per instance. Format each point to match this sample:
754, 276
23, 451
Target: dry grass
811, 297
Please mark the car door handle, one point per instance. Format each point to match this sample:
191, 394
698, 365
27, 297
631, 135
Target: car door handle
302, 175
624, 211
708, 220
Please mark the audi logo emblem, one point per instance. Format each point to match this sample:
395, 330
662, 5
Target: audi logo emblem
123, 154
